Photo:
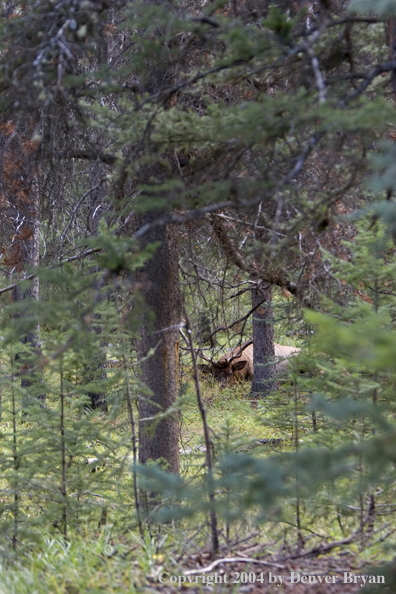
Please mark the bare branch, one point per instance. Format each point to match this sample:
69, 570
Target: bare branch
32, 276
232, 560
90, 155
379, 69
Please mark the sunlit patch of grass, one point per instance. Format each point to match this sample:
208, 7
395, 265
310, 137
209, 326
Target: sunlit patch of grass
102, 561
236, 421
91, 564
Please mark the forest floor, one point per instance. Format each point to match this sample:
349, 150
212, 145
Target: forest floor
259, 553
327, 574
343, 570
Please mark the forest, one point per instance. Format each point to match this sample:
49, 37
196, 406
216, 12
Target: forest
197, 296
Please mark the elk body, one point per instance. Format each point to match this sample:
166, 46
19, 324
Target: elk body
237, 364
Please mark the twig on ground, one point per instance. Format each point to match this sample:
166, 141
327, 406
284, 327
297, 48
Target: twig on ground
210, 567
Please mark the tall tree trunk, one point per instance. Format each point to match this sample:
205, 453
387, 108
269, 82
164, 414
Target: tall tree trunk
160, 372
20, 221
163, 300
263, 340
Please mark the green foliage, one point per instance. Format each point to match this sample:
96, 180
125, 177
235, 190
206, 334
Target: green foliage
226, 110
383, 8
49, 453
91, 563
279, 22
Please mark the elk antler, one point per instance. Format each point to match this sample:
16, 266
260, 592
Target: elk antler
239, 352
204, 357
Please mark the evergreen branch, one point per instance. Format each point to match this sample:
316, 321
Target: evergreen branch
351, 20
198, 213
321, 548
206, 19
11, 287
379, 69
34, 274
91, 155
163, 96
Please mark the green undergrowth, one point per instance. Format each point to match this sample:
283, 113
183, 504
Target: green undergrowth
107, 561
103, 551
236, 421
90, 563
102, 561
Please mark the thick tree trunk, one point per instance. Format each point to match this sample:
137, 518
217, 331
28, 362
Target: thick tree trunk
20, 220
160, 372
263, 340
160, 328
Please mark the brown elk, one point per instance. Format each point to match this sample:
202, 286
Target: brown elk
237, 364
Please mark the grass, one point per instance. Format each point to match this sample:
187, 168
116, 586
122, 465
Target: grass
112, 558
90, 563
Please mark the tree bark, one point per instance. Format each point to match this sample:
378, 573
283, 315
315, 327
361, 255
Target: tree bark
20, 205
263, 340
160, 372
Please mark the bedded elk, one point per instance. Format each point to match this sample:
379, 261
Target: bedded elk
237, 364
